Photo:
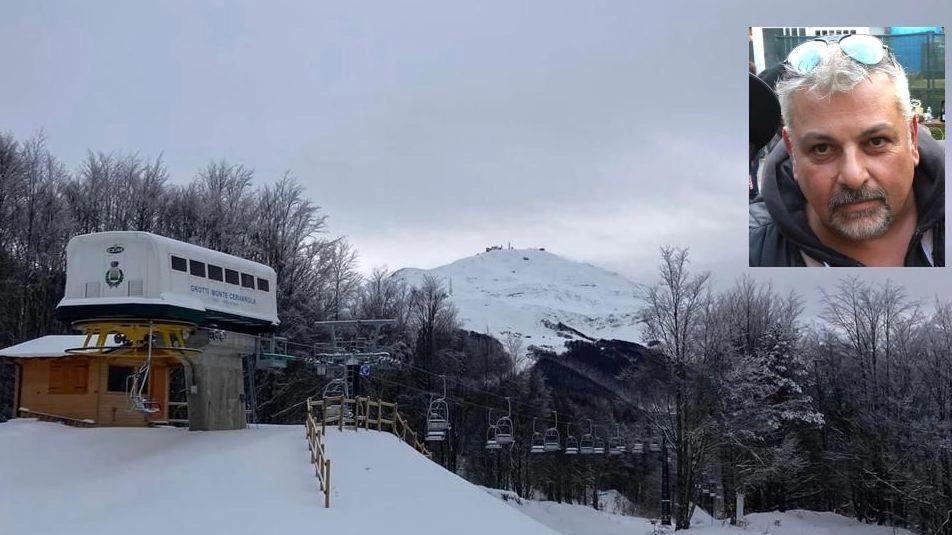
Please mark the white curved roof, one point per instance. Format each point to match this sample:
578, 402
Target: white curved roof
54, 345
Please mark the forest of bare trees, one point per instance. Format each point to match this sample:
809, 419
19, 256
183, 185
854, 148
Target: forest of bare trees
850, 411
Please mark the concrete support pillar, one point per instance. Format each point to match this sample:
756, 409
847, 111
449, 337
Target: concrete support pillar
216, 399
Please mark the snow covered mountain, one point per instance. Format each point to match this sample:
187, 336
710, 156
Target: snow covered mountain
539, 297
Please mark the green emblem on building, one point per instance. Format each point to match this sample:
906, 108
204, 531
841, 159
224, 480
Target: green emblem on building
114, 274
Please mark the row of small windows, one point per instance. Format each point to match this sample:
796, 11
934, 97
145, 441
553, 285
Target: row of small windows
217, 273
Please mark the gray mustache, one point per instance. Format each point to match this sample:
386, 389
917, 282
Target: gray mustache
849, 196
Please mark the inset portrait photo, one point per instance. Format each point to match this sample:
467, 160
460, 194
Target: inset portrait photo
847, 147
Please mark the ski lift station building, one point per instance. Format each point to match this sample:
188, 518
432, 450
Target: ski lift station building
152, 311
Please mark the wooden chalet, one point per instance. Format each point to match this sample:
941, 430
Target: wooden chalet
53, 383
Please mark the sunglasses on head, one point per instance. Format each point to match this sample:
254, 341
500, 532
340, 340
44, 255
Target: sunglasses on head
865, 49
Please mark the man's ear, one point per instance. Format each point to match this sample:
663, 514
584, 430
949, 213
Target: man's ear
786, 140
914, 137
789, 146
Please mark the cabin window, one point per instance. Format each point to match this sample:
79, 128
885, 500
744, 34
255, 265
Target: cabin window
262, 284
247, 281
69, 377
178, 263
231, 276
196, 268
215, 273
119, 378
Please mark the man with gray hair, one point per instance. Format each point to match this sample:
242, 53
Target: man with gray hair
855, 182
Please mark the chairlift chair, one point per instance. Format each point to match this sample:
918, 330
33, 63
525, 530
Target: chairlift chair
336, 388
504, 431
571, 443
139, 402
615, 444
552, 441
436, 430
136, 383
538, 442
587, 442
638, 447
504, 428
438, 417
599, 446
491, 440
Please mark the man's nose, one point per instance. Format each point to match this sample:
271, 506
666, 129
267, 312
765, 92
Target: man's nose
852, 173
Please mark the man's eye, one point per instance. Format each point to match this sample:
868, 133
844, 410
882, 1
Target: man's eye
877, 142
820, 149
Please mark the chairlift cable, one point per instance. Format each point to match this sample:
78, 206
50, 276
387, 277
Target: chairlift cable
459, 383
464, 402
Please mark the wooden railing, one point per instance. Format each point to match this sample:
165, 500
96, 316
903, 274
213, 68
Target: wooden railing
322, 465
361, 412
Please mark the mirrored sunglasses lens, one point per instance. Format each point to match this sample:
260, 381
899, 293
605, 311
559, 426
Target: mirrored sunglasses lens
805, 57
865, 49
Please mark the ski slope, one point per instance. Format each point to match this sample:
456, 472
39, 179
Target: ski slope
62, 480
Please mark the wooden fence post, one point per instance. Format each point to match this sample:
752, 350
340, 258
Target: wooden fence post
327, 486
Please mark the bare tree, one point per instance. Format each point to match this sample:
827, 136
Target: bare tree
382, 296
513, 345
432, 314
674, 317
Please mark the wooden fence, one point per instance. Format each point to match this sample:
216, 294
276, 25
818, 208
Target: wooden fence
322, 465
351, 413
364, 413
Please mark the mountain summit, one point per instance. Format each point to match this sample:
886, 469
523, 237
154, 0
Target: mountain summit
539, 297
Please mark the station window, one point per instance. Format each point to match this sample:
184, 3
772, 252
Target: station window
196, 268
118, 379
69, 376
231, 276
179, 263
247, 281
262, 284
215, 273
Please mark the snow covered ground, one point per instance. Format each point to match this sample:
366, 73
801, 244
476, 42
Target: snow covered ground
56, 479
584, 520
527, 291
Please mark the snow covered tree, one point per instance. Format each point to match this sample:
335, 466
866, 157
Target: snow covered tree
674, 316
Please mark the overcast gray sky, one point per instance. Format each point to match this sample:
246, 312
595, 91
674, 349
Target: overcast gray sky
428, 130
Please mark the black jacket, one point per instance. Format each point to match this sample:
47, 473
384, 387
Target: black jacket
778, 221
